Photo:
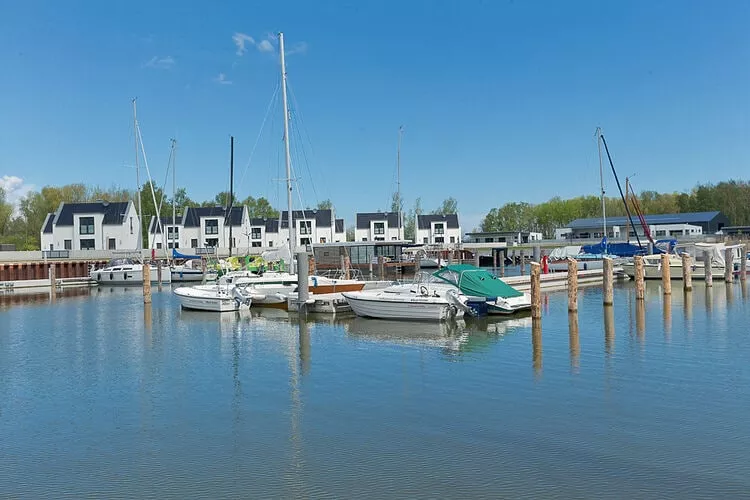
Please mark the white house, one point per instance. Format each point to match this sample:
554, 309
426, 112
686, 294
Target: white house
172, 232
378, 226
98, 225
438, 229
311, 226
204, 227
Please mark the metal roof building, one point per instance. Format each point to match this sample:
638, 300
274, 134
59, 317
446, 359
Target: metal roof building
710, 222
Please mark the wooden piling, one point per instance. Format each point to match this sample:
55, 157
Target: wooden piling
536, 344
743, 264
342, 264
536, 287
311, 266
52, 285
496, 257
347, 268
501, 254
608, 282
381, 267
687, 272
572, 285
708, 272
158, 273
146, 284
476, 258
536, 253
303, 282
728, 265
640, 286
666, 276
522, 260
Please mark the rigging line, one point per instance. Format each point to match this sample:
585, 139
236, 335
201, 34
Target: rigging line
260, 132
303, 127
306, 163
166, 178
611, 164
150, 181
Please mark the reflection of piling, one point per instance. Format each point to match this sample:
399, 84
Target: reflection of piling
609, 329
708, 272
743, 287
303, 283
728, 265
667, 315
536, 295
687, 273
709, 299
381, 266
146, 284
573, 339
640, 319
573, 286
666, 276
147, 316
536, 344
304, 346
640, 285
608, 282
730, 293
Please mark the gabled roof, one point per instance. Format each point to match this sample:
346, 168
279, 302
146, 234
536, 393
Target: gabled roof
683, 218
424, 221
322, 217
364, 219
114, 212
154, 228
48, 223
193, 215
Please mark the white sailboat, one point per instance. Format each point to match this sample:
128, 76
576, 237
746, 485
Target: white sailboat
215, 298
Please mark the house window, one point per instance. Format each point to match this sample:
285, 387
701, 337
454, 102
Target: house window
131, 225
379, 228
173, 233
304, 241
68, 244
379, 238
364, 239
453, 239
305, 227
111, 244
322, 240
425, 240
489, 240
256, 244
158, 245
86, 225
439, 228
270, 243
87, 244
255, 233
439, 239
212, 226
51, 247
194, 243
212, 242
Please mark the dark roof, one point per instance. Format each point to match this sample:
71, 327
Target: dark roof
424, 221
47, 227
364, 219
193, 215
271, 224
114, 212
339, 226
322, 217
683, 218
153, 227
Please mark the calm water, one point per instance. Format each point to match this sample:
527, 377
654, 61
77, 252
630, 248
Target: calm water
101, 398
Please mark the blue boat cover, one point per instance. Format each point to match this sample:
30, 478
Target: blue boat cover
178, 255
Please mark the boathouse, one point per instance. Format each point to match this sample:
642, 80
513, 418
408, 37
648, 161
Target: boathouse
661, 225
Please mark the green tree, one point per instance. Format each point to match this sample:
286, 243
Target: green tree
6, 211
260, 208
411, 220
325, 205
449, 206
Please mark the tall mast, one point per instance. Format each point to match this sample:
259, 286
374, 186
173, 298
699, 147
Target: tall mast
137, 177
627, 197
601, 180
287, 154
174, 191
398, 183
230, 202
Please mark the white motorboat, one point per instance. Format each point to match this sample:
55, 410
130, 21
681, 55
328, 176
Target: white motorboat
411, 302
215, 298
190, 269
127, 272
485, 293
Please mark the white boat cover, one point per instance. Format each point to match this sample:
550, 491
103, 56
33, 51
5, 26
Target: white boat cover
562, 253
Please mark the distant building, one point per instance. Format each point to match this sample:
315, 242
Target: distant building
661, 225
311, 226
378, 226
509, 237
172, 236
438, 229
98, 225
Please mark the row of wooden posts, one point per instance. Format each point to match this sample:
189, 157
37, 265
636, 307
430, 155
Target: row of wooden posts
608, 278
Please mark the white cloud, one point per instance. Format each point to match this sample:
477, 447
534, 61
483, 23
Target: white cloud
265, 46
297, 48
240, 39
157, 62
222, 79
15, 189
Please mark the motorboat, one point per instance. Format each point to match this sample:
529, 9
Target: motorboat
126, 271
190, 269
214, 298
485, 292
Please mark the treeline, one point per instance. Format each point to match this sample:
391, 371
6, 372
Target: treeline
730, 197
23, 226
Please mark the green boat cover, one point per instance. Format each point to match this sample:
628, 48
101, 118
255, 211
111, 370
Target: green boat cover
476, 282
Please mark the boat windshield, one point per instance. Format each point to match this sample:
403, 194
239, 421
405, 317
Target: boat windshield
120, 262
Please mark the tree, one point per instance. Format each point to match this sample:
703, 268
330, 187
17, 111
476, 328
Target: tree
325, 205
350, 233
449, 206
397, 203
260, 208
148, 208
6, 211
182, 200
411, 220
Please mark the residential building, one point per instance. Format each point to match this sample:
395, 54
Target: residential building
508, 237
378, 226
209, 227
97, 225
172, 232
436, 229
692, 223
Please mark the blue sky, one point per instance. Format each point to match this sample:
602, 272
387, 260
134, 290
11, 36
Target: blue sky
499, 99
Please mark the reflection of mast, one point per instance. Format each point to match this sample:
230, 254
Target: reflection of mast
296, 409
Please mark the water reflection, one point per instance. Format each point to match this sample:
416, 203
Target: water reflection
574, 343
688, 305
147, 317
640, 319
743, 285
709, 300
609, 329
536, 346
447, 335
667, 312
729, 290
36, 297
304, 346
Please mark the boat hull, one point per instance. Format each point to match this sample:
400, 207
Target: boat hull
130, 276
406, 308
190, 275
205, 300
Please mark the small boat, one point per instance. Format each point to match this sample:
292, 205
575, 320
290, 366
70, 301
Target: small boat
484, 289
127, 272
215, 298
418, 301
187, 271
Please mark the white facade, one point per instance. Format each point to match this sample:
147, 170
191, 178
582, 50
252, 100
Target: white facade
91, 226
378, 226
438, 230
312, 227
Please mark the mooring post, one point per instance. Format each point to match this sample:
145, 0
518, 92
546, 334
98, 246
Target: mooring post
416, 264
536, 253
728, 265
203, 269
572, 285
495, 257
342, 265
536, 291
347, 267
51, 273
450, 258
708, 271
687, 272
476, 258
146, 284
311, 265
501, 254
303, 283
743, 263
158, 273
608, 285
666, 276
381, 267
523, 264
640, 286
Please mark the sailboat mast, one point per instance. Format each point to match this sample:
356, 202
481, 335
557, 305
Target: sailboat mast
137, 177
287, 154
231, 189
398, 184
174, 191
601, 179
